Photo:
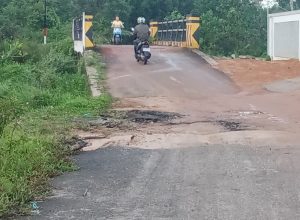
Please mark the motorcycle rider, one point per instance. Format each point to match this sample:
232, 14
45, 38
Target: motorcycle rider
117, 25
141, 33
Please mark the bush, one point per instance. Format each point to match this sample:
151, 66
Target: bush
12, 51
174, 15
35, 51
43, 99
60, 63
10, 109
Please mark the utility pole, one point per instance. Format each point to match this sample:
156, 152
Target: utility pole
45, 31
268, 27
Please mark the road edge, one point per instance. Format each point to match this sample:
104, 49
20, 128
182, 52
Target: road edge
92, 74
206, 57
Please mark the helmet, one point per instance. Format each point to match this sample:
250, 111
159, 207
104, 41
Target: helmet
141, 20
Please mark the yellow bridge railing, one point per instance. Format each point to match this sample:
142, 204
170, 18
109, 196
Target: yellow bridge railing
179, 33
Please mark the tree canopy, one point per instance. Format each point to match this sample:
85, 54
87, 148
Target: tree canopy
228, 26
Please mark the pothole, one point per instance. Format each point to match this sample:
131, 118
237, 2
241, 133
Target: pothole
114, 119
232, 125
139, 116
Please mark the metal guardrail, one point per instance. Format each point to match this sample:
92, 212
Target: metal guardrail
181, 33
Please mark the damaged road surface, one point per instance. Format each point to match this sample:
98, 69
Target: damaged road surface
182, 142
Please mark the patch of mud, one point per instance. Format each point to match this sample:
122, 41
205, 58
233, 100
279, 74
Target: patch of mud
232, 125
106, 122
75, 143
143, 116
119, 119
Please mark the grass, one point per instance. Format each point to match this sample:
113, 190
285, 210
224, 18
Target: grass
38, 101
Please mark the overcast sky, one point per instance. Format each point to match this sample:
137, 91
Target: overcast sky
268, 3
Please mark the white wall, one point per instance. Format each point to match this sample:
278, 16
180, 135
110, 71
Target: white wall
292, 38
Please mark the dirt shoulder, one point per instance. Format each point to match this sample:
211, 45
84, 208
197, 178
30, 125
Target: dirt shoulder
251, 74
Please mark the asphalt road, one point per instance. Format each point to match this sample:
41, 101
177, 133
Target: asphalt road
211, 182
172, 72
190, 180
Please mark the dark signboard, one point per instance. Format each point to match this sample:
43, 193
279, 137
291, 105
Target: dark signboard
78, 32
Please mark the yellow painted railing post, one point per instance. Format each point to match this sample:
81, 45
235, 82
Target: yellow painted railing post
88, 37
153, 28
192, 32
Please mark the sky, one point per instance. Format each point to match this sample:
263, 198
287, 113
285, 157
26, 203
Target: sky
268, 3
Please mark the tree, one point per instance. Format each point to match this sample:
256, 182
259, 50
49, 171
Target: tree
288, 4
232, 26
19, 17
175, 15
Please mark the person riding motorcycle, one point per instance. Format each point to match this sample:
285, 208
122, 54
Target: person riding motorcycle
141, 33
117, 26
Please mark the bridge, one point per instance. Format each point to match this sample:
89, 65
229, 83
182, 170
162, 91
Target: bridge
172, 72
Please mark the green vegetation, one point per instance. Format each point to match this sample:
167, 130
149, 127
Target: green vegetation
38, 101
42, 89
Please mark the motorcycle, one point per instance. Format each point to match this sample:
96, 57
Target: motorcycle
143, 52
117, 36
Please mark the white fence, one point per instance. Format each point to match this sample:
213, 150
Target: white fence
284, 35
